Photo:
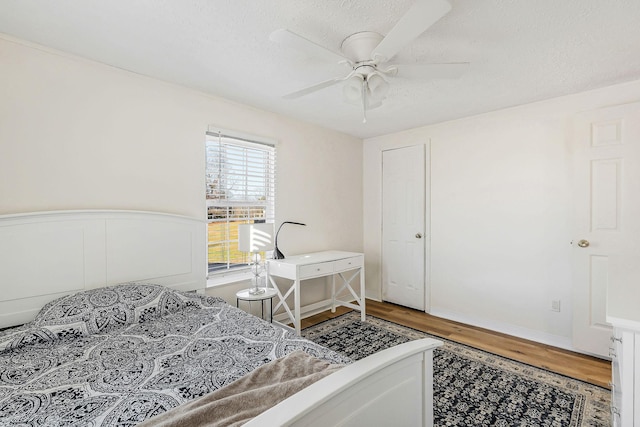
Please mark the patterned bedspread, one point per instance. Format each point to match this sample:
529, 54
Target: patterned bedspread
122, 354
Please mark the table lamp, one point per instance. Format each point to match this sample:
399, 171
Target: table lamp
255, 238
277, 254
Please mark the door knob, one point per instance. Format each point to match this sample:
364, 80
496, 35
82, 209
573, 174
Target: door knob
583, 243
418, 236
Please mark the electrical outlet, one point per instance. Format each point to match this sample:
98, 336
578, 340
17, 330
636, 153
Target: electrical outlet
555, 305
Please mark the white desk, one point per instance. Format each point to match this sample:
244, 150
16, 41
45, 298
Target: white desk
319, 264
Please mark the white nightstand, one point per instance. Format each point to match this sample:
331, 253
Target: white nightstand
268, 294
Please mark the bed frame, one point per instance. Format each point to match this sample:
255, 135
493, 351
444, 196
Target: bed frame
46, 255
391, 388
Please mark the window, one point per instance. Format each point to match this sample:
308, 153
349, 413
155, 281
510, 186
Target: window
240, 179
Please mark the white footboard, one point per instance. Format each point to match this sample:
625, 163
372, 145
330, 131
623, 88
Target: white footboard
391, 388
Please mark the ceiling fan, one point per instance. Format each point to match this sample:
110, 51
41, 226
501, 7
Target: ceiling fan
367, 53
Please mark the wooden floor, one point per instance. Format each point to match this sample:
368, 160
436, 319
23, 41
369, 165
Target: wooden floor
586, 368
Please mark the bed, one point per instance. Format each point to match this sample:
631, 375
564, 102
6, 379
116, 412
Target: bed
117, 331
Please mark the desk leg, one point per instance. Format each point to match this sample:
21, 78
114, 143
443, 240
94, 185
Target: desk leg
363, 315
296, 301
333, 293
282, 300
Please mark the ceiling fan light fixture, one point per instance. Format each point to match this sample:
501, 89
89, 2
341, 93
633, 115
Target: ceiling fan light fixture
372, 103
352, 89
378, 86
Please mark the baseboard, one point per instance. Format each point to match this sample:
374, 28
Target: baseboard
505, 328
376, 298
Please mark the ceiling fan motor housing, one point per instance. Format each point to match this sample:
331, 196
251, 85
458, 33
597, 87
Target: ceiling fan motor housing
358, 47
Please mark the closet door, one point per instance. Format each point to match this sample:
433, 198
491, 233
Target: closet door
404, 226
606, 218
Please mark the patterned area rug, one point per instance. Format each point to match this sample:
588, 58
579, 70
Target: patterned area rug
473, 387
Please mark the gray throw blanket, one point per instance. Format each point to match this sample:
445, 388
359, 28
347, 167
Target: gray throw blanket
248, 396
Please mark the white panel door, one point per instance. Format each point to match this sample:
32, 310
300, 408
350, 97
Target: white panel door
606, 153
403, 226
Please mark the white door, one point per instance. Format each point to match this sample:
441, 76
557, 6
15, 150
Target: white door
606, 154
403, 226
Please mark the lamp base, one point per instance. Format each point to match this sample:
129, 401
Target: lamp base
256, 291
277, 254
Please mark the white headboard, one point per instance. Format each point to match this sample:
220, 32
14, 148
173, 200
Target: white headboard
46, 255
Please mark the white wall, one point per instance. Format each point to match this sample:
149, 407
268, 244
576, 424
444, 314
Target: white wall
500, 214
76, 134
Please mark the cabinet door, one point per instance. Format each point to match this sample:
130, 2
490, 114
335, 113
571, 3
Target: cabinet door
626, 360
616, 377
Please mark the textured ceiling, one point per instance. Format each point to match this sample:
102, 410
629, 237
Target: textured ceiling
520, 50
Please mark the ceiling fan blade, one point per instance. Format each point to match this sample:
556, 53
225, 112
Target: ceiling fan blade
451, 70
420, 16
301, 44
314, 88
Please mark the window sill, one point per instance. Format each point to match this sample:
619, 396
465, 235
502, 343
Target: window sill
228, 278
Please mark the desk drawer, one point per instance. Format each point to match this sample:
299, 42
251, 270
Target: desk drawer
313, 270
348, 264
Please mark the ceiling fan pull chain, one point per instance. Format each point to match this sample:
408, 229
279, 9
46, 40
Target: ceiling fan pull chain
364, 100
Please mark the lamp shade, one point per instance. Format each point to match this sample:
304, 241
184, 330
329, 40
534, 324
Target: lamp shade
378, 86
352, 89
255, 237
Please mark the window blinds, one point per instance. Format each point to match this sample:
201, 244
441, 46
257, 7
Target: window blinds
240, 188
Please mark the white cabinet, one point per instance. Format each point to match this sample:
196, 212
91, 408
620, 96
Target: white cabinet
625, 390
623, 294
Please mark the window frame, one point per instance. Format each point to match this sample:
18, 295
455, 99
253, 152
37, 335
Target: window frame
238, 271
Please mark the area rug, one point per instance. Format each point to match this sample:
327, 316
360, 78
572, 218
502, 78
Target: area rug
473, 387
